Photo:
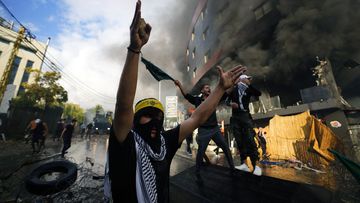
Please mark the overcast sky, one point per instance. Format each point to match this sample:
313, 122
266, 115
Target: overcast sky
89, 40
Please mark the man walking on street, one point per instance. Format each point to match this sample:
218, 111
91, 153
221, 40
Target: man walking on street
89, 129
59, 129
37, 137
242, 123
66, 135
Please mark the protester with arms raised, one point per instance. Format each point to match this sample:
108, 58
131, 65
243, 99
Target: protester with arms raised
140, 153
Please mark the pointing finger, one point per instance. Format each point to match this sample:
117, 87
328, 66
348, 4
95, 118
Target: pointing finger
137, 16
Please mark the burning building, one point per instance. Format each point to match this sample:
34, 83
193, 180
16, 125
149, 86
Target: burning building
303, 55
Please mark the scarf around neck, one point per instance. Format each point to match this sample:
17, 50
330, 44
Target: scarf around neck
146, 190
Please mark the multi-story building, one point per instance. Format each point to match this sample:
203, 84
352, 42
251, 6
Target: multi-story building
271, 37
280, 42
28, 56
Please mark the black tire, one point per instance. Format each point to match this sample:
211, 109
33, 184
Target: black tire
37, 186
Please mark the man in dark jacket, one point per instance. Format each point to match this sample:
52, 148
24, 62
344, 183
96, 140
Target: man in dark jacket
208, 130
242, 123
66, 135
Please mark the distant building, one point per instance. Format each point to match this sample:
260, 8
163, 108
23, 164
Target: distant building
28, 56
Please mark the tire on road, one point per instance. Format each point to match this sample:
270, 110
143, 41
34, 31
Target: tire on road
36, 185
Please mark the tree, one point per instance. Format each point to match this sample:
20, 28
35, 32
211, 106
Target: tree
74, 111
99, 109
45, 91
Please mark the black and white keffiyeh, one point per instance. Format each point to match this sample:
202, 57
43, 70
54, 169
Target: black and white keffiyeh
241, 89
145, 175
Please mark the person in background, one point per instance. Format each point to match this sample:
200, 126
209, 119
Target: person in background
59, 128
242, 123
44, 134
82, 129
207, 131
89, 129
38, 134
30, 129
66, 135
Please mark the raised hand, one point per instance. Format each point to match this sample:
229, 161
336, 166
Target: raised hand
177, 83
230, 77
139, 30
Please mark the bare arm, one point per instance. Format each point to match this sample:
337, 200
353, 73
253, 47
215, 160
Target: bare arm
178, 83
123, 118
202, 113
62, 133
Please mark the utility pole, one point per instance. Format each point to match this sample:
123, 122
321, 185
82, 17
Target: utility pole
5, 77
43, 58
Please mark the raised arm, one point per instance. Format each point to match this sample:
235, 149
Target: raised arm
202, 113
139, 35
187, 96
178, 83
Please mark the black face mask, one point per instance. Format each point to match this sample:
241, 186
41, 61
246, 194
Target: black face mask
144, 130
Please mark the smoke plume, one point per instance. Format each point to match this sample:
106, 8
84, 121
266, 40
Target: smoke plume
282, 60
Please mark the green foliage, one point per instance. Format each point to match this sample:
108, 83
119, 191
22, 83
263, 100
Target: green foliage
74, 111
99, 108
44, 91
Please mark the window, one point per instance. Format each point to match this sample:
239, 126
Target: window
193, 35
258, 13
193, 54
262, 10
206, 57
267, 7
188, 68
14, 69
5, 41
187, 52
204, 12
205, 33
25, 77
194, 73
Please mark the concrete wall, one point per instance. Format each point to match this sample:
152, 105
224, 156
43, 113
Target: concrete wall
19, 118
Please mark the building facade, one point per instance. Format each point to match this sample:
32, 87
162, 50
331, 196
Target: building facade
29, 55
280, 42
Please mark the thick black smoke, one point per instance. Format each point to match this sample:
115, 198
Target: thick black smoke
282, 61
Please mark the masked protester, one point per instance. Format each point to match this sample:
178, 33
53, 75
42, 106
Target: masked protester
242, 123
140, 151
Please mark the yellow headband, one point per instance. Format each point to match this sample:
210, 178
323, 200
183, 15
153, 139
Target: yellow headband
149, 103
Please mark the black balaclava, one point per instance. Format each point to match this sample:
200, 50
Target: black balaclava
144, 130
